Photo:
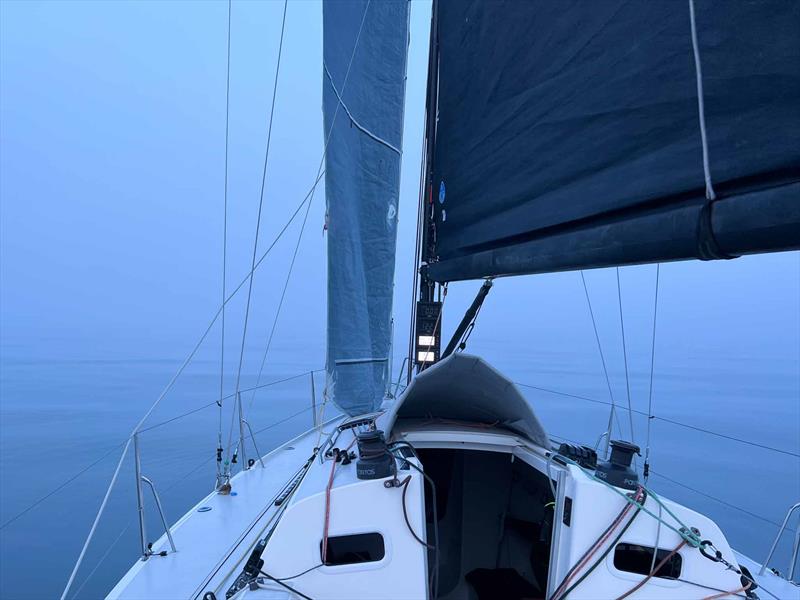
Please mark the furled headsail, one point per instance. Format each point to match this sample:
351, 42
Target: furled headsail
364, 73
590, 134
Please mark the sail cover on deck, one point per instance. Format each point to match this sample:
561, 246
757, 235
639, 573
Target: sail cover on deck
568, 133
364, 68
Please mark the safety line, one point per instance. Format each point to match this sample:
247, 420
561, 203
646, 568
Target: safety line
60, 487
707, 495
666, 420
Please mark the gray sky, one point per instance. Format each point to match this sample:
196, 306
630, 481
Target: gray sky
113, 124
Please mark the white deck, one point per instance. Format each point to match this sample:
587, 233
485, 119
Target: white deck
212, 544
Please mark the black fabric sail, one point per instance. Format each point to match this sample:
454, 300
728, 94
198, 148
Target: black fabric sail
568, 135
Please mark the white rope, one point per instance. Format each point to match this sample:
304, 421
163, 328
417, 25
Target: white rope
355, 122
710, 195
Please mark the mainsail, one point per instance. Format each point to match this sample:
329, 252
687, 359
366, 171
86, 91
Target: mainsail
590, 134
364, 72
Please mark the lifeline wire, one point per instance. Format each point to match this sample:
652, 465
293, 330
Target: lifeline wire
172, 383
678, 423
174, 379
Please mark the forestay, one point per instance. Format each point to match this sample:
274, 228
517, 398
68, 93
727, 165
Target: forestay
569, 135
365, 49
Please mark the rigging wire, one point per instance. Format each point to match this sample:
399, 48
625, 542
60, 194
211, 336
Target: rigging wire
102, 559
172, 382
602, 358
666, 420
258, 227
650, 393
711, 497
59, 487
625, 357
280, 305
320, 170
224, 243
130, 522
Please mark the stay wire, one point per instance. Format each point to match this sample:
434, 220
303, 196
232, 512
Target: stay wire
652, 369
170, 385
224, 236
308, 207
625, 357
280, 305
600, 351
258, 223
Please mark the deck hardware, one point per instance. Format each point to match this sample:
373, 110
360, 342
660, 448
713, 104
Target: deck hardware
250, 571
204, 509
251, 462
147, 548
795, 546
313, 400
567, 516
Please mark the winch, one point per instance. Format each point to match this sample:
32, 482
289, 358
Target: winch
374, 459
617, 470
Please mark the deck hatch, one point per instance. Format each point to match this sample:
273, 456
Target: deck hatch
354, 549
633, 558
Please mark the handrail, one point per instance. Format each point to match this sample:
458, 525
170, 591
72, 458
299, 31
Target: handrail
147, 551
160, 512
795, 547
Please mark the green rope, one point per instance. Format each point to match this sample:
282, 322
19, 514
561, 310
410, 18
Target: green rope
686, 533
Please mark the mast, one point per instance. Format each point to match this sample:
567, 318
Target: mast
426, 310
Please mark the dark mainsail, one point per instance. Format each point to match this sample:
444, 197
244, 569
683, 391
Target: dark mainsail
568, 135
364, 72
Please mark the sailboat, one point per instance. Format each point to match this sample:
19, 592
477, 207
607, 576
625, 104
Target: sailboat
558, 137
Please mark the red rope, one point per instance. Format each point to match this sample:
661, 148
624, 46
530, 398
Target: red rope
654, 571
596, 546
327, 512
334, 461
744, 588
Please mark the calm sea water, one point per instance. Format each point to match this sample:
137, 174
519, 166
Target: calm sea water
60, 416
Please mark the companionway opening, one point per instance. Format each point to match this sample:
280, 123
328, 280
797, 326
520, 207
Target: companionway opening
495, 522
